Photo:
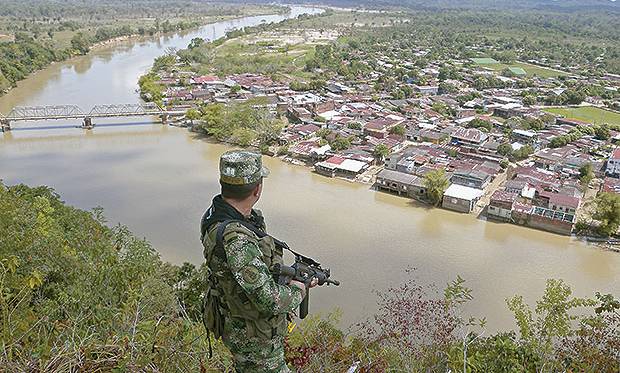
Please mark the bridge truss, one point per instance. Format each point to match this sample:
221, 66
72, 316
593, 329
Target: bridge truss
122, 110
26, 113
45, 112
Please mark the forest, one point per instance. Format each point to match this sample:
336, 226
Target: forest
78, 295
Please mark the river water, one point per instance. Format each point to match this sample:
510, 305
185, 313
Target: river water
158, 180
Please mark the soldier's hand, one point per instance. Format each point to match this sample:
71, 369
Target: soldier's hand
314, 282
300, 285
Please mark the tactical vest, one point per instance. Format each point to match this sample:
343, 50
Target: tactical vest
225, 299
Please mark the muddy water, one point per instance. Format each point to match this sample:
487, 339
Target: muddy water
158, 180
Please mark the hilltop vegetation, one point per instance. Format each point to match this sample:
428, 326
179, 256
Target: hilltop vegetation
76, 295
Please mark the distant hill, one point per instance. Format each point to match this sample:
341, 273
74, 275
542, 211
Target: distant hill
557, 5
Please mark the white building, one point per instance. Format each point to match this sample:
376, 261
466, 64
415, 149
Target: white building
613, 163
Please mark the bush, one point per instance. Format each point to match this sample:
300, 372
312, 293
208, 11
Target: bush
75, 293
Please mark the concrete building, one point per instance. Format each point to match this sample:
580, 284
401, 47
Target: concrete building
401, 183
461, 198
613, 164
500, 206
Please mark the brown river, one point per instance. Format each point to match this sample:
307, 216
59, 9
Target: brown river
158, 180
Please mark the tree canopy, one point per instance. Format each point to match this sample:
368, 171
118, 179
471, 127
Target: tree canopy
436, 182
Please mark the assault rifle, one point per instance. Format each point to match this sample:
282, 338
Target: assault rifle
304, 270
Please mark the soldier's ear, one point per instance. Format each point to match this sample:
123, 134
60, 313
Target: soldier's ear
258, 189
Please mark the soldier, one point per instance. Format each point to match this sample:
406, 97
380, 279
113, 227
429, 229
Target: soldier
244, 304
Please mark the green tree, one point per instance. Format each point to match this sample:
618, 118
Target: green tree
381, 151
529, 100
505, 149
586, 174
80, 43
445, 87
354, 125
398, 130
244, 136
192, 115
602, 132
607, 213
523, 152
340, 143
480, 123
436, 182
551, 319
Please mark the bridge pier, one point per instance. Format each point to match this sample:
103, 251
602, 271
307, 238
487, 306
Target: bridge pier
164, 118
88, 123
5, 125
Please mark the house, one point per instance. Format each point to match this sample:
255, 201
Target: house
611, 185
426, 90
558, 202
304, 130
401, 183
309, 150
427, 135
522, 188
508, 110
380, 127
339, 166
468, 137
299, 113
206, 80
542, 218
550, 220
525, 137
500, 205
471, 178
613, 164
461, 198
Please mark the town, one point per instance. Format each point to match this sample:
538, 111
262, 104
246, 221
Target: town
520, 142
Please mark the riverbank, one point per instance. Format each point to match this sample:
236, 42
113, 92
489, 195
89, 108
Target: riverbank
62, 46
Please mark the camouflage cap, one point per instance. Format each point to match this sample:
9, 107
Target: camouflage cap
240, 167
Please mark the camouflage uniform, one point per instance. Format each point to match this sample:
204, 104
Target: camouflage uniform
254, 305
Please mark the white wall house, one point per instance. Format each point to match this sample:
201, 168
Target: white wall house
613, 163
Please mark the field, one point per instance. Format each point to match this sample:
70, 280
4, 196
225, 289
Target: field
280, 53
588, 114
531, 70
342, 19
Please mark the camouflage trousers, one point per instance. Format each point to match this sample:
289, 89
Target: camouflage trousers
254, 355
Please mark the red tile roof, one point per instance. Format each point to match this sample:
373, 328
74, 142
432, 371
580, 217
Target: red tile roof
335, 160
379, 123
562, 199
206, 79
611, 185
503, 196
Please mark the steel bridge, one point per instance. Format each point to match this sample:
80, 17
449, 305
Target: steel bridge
33, 113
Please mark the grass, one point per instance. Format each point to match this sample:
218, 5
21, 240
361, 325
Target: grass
280, 54
588, 114
531, 70
344, 19
484, 61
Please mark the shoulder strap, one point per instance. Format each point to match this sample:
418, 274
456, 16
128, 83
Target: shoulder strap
219, 239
